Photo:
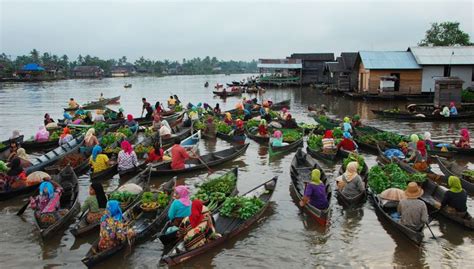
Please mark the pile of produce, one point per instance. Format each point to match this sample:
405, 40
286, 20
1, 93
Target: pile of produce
469, 175
315, 142
252, 123
55, 135
74, 160
354, 158
215, 191
199, 125
3, 167
273, 114
291, 135
308, 126
323, 118
112, 150
139, 149
387, 137
222, 127
241, 207
391, 176
149, 132
99, 127
126, 131
124, 197
178, 108
337, 133
152, 200
2, 145
107, 140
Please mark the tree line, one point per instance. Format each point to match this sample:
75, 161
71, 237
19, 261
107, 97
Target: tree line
195, 66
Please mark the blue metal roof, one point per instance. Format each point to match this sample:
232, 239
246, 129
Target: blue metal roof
32, 67
388, 60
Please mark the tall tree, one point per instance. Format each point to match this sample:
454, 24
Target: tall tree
445, 34
35, 56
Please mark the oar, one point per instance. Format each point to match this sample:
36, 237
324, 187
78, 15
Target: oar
429, 228
208, 168
22, 210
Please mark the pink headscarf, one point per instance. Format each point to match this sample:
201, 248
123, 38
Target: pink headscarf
126, 147
284, 110
183, 193
451, 104
277, 134
465, 134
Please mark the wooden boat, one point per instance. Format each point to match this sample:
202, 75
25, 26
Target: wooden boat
253, 134
227, 93
143, 223
105, 174
32, 145
210, 160
385, 210
425, 117
127, 86
453, 169
73, 208
281, 105
6, 143
301, 167
227, 227
434, 193
280, 150
79, 169
231, 138
172, 238
96, 104
462, 151
324, 156
351, 201
82, 227
53, 156
19, 192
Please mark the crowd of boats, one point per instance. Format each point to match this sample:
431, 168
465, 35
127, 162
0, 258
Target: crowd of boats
266, 123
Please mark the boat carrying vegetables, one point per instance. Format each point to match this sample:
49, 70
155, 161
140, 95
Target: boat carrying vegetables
391, 176
241, 207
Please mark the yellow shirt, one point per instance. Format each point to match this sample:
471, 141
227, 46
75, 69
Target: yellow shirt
171, 102
100, 163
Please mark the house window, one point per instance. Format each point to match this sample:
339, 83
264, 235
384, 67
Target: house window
447, 71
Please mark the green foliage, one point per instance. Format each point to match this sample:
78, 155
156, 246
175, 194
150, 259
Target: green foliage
252, 123
223, 184
291, 135
100, 127
126, 131
273, 114
107, 140
178, 108
387, 137
391, 176
122, 197
55, 135
337, 132
354, 158
445, 34
315, 141
3, 167
222, 127
241, 207
2, 145
199, 126
467, 96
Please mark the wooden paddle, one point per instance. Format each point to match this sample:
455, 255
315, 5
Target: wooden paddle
429, 228
22, 210
210, 171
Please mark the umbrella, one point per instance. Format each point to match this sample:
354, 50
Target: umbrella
393, 194
36, 177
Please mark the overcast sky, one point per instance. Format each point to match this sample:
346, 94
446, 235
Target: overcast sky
240, 30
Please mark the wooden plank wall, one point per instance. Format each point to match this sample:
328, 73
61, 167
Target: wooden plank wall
410, 80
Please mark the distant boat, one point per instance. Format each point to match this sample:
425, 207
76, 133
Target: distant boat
127, 85
206, 84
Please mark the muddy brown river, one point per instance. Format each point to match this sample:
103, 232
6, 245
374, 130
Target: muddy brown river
284, 238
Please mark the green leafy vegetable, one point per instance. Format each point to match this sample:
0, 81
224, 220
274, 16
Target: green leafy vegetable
241, 207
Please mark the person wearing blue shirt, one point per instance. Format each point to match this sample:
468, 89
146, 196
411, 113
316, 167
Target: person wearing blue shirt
181, 206
453, 110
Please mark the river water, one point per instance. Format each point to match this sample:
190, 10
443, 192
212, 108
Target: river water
284, 238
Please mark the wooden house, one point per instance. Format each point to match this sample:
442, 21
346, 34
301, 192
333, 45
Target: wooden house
123, 71
455, 61
377, 70
313, 65
85, 71
342, 73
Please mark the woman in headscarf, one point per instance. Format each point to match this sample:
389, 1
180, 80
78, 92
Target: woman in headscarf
350, 183
210, 128
284, 113
113, 230
328, 141
24, 159
66, 136
42, 135
356, 121
428, 142
47, 119
277, 140
413, 141
464, 140
95, 203
315, 192
289, 122
181, 206
217, 109
263, 128
158, 108
419, 157
347, 143
445, 112
453, 111
90, 140
156, 154
127, 158
156, 116
346, 126
16, 175
98, 161
228, 119
455, 199
99, 116
131, 123
120, 115
239, 128
198, 228
67, 118
46, 204
165, 130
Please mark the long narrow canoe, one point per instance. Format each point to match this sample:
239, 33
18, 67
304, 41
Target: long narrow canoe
144, 225
82, 227
232, 138
425, 117
324, 156
284, 149
452, 169
6, 143
226, 226
53, 156
210, 160
96, 104
253, 134
73, 208
301, 167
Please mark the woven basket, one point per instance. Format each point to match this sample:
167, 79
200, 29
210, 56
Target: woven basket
148, 209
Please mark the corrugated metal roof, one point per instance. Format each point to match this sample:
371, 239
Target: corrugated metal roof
443, 55
388, 60
323, 57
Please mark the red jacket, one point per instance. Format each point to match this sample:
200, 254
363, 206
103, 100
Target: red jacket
347, 144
